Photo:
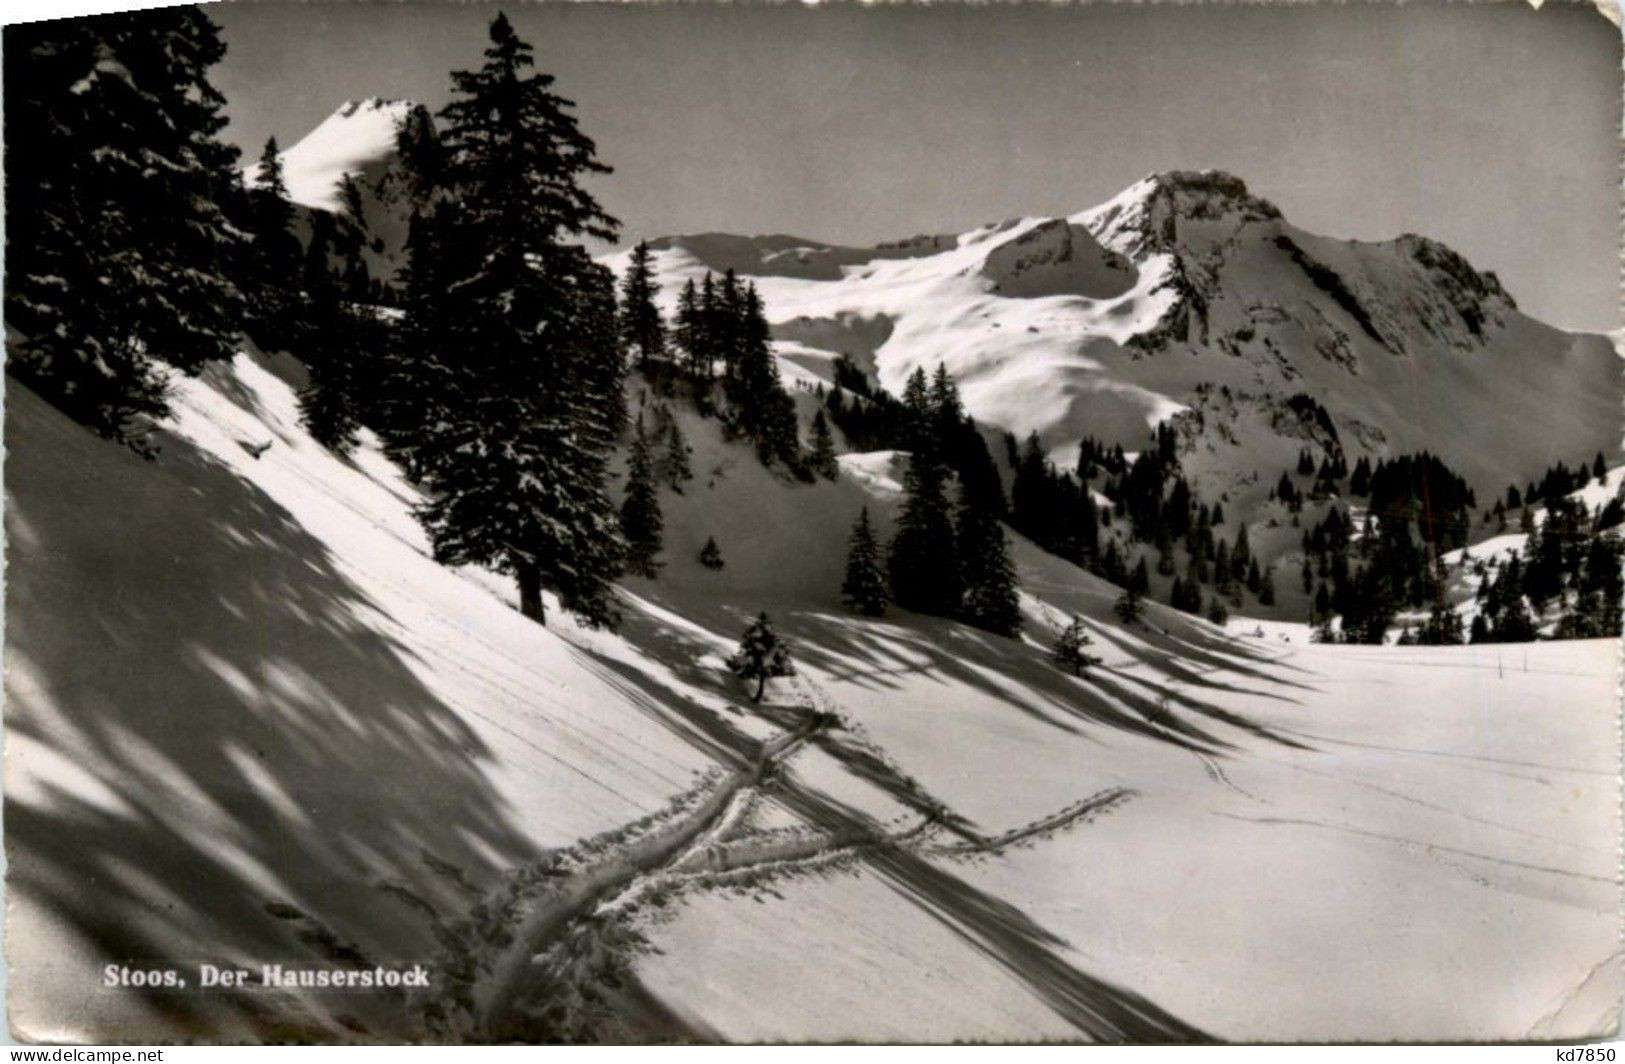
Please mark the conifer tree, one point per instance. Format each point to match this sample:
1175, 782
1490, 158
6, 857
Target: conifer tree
686, 328
1140, 581
1070, 653
761, 656
1128, 608
711, 554
528, 376
1323, 602
1089, 527
760, 408
274, 310
923, 563
642, 331
864, 587
1360, 481
676, 464
822, 459
917, 401
329, 406
118, 247
1111, 564
413, 360
641, 522
418, 175
730, 322
1031, 502
711, 325
990, 599
1221, 568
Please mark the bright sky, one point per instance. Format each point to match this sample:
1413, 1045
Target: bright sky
1489, 126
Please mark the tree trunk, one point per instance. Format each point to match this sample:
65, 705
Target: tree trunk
530, 592
761, 682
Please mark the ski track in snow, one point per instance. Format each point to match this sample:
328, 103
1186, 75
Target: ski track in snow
1432, 849
709, 844
616, 872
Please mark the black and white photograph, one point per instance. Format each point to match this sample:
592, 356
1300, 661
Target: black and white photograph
648, 523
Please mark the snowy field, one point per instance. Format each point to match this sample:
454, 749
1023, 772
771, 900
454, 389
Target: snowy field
249, 720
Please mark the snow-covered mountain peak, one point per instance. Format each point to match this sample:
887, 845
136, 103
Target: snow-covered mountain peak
1188, 296
358, 138
1145, 218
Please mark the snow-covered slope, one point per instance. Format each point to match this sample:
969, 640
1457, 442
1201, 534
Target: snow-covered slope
1187, 295
249, 720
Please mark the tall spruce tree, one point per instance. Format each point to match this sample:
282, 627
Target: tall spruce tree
642, 330
728, 322
675, 463
418, 356
1139, 580
526, 367
923, 561
920, 434
990, 599
118, 251
690, 333
641, 522
759, 407
417, 177
822, 459
864, 587
329, 406
274, 309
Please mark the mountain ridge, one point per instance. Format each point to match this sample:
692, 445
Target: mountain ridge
1173, 298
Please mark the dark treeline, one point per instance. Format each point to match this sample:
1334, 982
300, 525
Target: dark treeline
1419, 510
1570, 565
949, 555
719, 339
930, 418
1056, 509
1156, 507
